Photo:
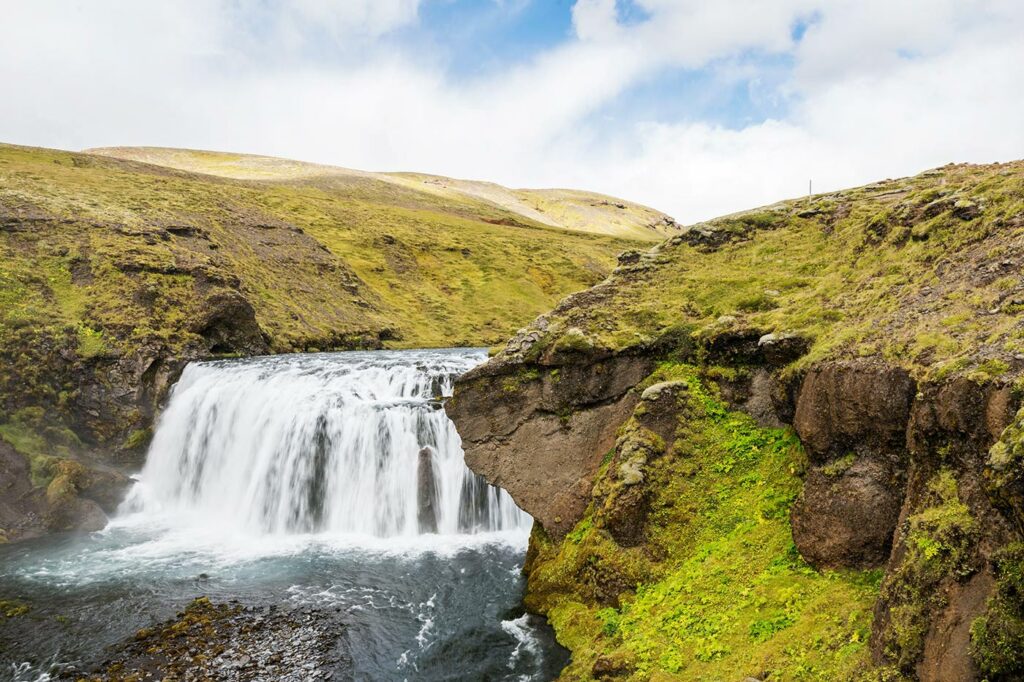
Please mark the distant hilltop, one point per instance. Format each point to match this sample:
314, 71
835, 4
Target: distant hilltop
565, 208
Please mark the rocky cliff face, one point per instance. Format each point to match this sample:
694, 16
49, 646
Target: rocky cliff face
644, 424
542, 422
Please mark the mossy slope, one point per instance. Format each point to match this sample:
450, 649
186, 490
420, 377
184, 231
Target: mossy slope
716, 589
568, 209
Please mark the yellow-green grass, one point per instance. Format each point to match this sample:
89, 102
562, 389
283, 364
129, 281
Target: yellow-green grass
925, 272
436, 270
568, 209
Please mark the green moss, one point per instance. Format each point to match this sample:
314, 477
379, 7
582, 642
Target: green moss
573, 340
839, 466
989, 369
939, 547
1005, 468
33, 447
717, 590
997, 637
756, 302
91, 343
42, 440
12, 608
609, 618
138, 439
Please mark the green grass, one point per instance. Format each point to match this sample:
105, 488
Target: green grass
432, 268
845, 271
573, 210
717, 591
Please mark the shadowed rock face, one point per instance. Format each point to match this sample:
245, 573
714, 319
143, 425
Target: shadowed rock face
847, 518
228, 324
20, 512
77, 499
540, 432
859, 404
852, 418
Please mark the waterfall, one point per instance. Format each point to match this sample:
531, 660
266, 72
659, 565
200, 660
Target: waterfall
329, 442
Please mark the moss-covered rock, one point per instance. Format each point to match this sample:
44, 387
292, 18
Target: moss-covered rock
883, 323
716, 589
938, 549
997, 637
1005, 469
221, 641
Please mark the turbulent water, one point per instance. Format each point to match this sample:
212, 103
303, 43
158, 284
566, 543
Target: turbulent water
316, 443
328, 481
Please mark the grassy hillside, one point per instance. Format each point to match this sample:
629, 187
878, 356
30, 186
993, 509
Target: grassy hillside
435, 270
568, 209
924, 272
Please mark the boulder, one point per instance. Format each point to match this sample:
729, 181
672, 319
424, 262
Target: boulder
540, 432
846, 514
853, 405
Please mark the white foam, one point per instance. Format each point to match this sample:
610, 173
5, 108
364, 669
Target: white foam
325, 443
526, 640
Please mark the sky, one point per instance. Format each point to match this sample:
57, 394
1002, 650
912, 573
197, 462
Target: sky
696, 108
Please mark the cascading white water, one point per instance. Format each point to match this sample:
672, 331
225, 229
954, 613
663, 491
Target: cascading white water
330, 442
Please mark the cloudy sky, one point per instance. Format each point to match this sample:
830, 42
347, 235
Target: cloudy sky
697, 108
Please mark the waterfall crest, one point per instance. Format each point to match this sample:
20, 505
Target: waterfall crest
329, 442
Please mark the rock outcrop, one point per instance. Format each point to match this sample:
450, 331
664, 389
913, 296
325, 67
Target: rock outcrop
229, 641
903, 390
852, 419
549, 428
426, 491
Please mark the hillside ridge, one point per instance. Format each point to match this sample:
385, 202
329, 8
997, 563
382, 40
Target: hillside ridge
562, 208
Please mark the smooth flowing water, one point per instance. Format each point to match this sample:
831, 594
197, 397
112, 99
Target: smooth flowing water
330, 481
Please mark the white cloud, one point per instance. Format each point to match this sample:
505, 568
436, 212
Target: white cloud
595, 19
877, 89
343, 17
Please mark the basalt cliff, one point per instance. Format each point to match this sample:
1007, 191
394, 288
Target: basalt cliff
785, 444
